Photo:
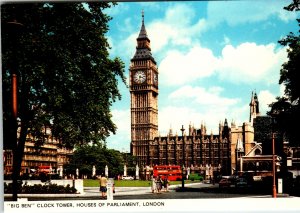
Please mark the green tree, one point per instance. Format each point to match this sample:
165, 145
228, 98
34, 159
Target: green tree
66, 79
130, 162
286, 110
87, 156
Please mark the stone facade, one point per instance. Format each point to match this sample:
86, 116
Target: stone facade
49, 154
195, 150
143, 82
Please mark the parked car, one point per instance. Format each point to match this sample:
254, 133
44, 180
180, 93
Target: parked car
225, 183
127, 178
241, 183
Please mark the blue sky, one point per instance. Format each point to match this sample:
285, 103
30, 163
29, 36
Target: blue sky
210, 54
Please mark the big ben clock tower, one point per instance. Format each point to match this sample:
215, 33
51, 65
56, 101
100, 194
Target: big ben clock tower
143, 84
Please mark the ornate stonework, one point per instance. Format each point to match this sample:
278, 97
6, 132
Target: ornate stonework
144, 98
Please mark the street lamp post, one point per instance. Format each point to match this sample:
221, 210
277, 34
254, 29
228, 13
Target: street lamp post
183, 158
15, 29
274, 166
274, 194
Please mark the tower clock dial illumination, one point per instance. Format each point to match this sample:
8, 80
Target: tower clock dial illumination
139, 77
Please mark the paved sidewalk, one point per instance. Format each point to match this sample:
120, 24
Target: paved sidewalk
89, 191
94, 193
191, 191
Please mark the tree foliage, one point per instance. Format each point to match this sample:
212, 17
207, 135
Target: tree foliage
66, 80
87, 156
286, 109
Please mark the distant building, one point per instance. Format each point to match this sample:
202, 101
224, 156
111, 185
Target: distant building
197, 150
49, 154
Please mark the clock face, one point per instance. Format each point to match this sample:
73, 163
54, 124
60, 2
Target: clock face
139, 77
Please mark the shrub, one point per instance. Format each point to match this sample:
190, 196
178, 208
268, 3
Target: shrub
46, 188
195, 176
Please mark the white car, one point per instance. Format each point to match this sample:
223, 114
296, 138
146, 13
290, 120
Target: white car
127, 178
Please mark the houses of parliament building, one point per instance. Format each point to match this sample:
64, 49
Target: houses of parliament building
195, 147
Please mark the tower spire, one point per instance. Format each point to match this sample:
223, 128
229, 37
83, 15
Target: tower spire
254, 107
143, 50
143, 32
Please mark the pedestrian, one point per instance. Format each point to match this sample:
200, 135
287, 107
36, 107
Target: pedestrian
153, 185
158, 184
103, 186
166, 183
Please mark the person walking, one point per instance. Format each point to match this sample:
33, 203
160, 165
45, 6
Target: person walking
103, 186
158, 184
166, 183
153, 185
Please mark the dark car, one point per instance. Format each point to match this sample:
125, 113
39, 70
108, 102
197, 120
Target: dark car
241, 183
225, 183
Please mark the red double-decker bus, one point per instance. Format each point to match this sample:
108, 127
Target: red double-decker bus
172, 172
44, 169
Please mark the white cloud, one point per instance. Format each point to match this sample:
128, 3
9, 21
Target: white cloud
281, 90
179, 68
179, 14
240, 12
127, 47
246, 63
199, 95
196, 105
239, 114
250, 62
180, 26
122, 138
175, 116
177, 28
265, 98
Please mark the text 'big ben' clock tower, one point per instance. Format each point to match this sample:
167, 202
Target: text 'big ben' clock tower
143, 83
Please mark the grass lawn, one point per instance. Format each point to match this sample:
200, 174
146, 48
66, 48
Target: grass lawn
129, 183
